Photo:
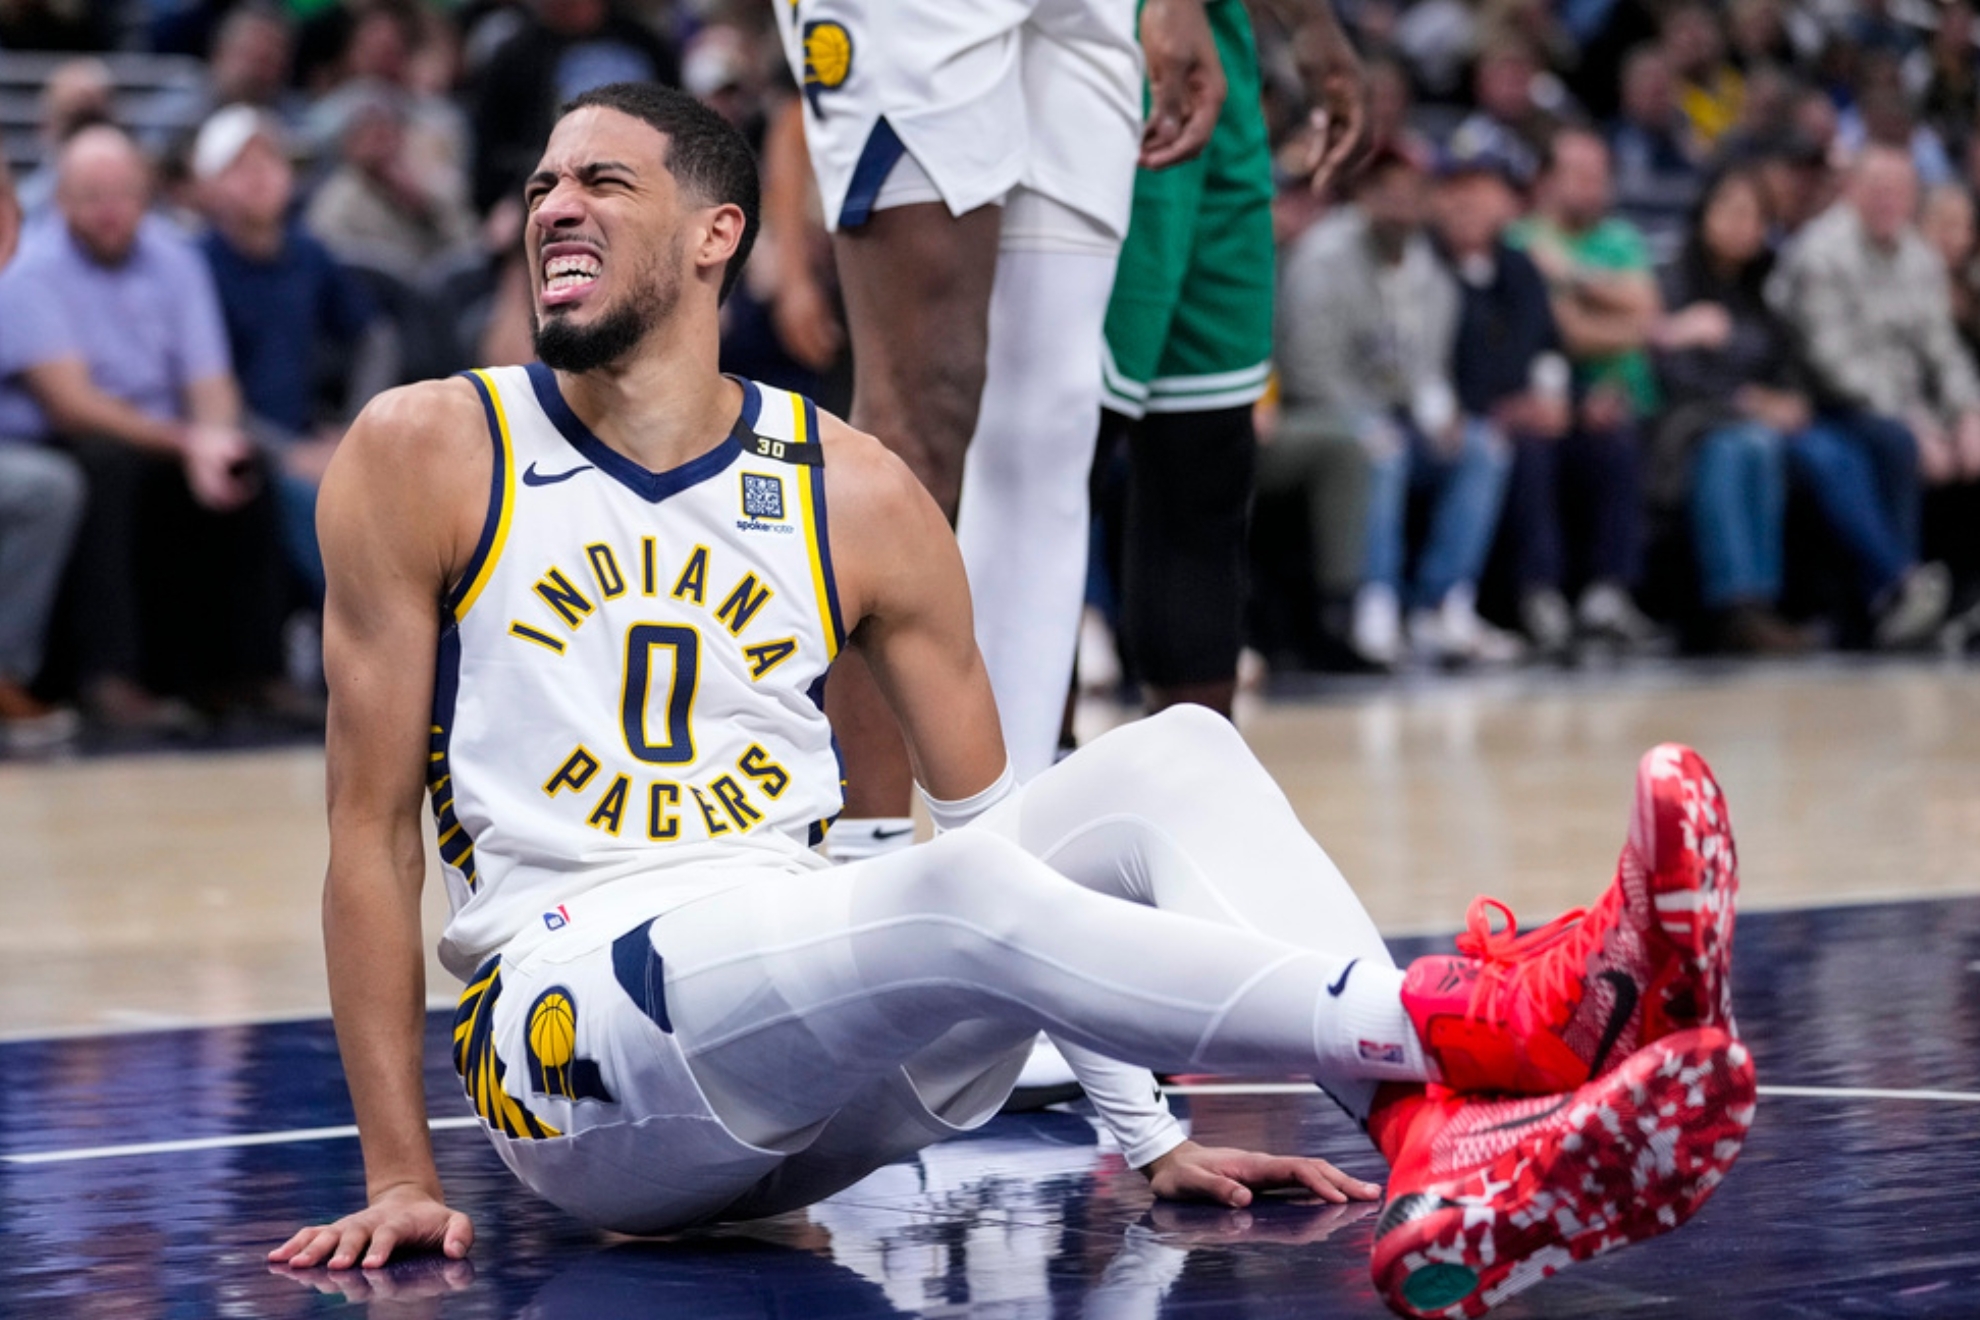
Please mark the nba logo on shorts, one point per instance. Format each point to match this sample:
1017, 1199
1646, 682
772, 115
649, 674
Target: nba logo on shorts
763, 497
557, 920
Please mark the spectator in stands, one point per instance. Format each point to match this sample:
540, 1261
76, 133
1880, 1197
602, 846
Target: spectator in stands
1586, 488
1946, 222
1719, 454
1368, 320
1757, 34
1794, 173
1658, 166
1815, 119
1883, 115
122, 353
78, 93
396, 55
1874, 27
1710, 89
1943, 76
377, 208
289, 309
563, 47
41, 504
250, 63
1509, 120
1867, 298
1507, 361
1766, 111
1389, 105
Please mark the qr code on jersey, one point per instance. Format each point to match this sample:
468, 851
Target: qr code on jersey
763, 497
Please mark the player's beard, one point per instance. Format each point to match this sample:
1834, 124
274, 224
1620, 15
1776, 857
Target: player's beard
563, 346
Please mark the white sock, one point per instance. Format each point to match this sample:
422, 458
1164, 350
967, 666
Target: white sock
1362, 1029
858, 838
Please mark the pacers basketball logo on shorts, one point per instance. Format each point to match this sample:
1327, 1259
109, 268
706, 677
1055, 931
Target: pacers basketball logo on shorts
828, 59
554, 1068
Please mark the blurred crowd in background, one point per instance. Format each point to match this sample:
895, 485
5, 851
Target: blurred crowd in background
1639, 325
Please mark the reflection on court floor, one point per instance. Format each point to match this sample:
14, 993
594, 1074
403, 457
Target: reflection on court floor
145, 1175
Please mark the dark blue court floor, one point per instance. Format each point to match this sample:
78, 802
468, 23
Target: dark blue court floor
1844, 1205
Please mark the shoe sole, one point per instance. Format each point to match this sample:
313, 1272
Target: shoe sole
1681, 833
1622, 1160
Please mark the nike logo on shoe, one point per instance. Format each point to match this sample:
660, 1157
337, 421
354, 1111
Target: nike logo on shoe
1530, 1119
1340, 985
1619, 1015
531, 477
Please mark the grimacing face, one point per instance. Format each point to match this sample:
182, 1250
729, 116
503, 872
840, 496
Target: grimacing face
605, 238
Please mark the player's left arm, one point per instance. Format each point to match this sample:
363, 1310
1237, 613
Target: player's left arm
1336, 86
906, 601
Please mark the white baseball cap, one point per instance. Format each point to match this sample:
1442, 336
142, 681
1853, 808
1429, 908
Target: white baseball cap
226, 134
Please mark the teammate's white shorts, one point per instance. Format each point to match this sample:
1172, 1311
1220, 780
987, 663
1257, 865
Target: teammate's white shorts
986, 96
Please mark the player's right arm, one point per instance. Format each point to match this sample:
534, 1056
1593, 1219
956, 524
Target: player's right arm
400, 511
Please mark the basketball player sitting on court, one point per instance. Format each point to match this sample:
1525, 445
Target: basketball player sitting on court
589, 606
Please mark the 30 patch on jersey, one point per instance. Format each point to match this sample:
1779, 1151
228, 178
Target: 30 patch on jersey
762, 497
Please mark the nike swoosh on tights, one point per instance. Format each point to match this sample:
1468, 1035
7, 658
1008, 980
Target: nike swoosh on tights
531, 477
1340, 985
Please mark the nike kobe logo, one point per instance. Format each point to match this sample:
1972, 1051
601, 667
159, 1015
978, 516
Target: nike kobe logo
531, 477
1340, 985
1619, 1015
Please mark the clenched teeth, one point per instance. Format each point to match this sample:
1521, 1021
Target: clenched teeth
568, 271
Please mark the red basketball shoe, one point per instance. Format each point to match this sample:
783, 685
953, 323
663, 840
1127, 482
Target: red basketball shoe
1489, 1197
1543, 1012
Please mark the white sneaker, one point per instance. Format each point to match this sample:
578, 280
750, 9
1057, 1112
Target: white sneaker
1607, 612
1377, 634
1544, 614
1453, 634
1916, 609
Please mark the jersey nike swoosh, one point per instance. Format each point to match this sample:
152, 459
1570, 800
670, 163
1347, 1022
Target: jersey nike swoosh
1618, 1018
531, 477
1340, 985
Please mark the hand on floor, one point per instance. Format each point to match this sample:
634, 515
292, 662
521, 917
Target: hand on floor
1228, 1176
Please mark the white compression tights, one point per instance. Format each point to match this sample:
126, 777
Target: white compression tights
1152, 898
1023, 519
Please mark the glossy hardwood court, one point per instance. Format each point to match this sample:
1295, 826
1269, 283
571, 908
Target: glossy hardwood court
158, 1143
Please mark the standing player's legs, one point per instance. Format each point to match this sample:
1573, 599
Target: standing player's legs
1190, 338
917, 284
1024, 517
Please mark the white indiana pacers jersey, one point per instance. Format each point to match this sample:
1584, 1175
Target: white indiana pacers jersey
631, 673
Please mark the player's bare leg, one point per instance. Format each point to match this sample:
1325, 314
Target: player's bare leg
917, 284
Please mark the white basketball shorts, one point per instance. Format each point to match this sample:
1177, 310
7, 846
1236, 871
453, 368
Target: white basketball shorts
986, 97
